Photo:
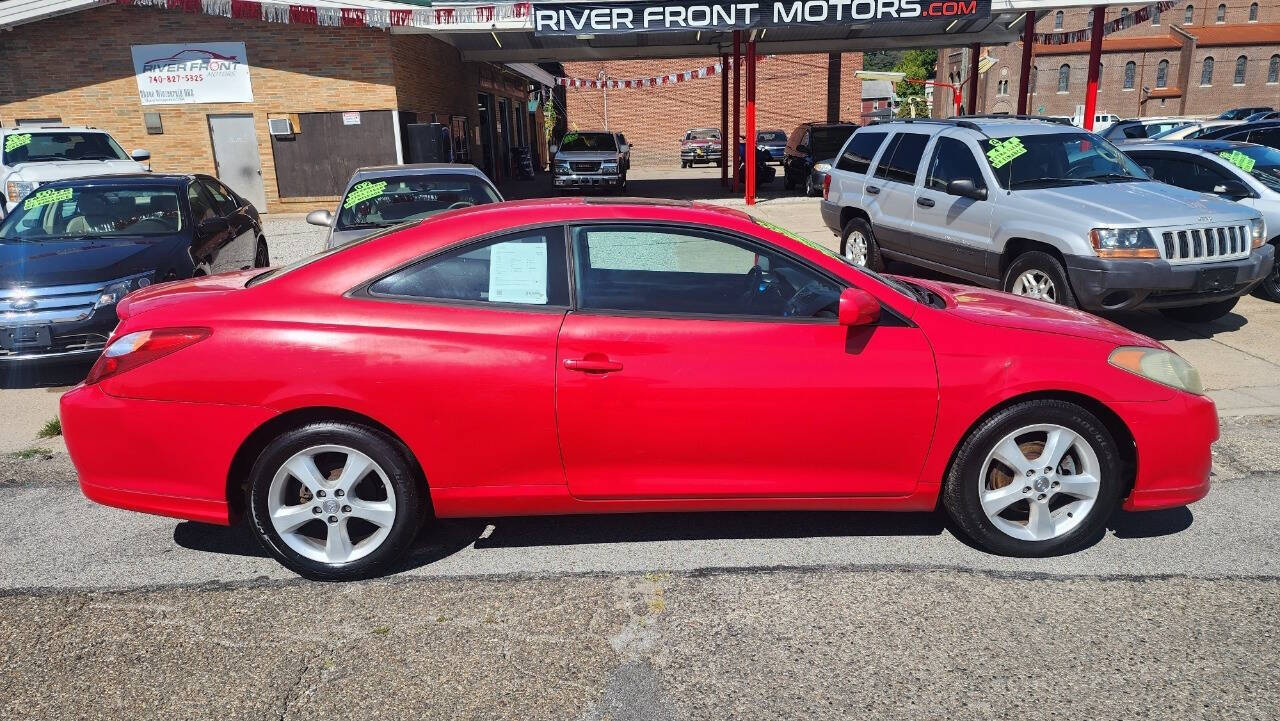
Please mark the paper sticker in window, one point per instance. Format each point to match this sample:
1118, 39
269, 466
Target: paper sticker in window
1004, 151
13, 142
518, 273
363, 191
1238, 159
45, 197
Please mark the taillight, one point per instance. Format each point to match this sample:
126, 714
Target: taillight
826, 187
134, 349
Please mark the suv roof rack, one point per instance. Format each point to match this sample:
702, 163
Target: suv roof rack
958, 122
995, 116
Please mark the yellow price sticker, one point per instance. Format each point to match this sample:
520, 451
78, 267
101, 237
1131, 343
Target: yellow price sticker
364, 191
45, 197
13, 142
1239, 159
1002, 152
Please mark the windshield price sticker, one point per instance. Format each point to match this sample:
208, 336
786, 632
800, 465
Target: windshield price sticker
1239, 159
364, 191
13, 142
1002, 152
568, 138
45, 197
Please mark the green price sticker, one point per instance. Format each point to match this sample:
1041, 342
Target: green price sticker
364, 191
1238, 159
13, 142
568, 138
45, 197
790, 234
1004, 151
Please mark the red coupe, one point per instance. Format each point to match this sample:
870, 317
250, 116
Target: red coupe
605, 356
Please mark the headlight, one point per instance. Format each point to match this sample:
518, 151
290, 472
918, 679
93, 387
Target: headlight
1162, 366
18, 189
562, 166
116, 291
1123, 243
608, 166
1259, 232
822, 167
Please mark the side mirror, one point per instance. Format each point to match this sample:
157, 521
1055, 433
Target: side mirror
858, 307
1150, 171
624, 148
1232, 189
322, 218
141, 155
965, 188
555, 149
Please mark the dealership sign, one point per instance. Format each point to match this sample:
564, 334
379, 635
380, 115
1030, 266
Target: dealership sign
192, 73
632, 16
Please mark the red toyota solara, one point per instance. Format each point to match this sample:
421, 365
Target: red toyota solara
608, 356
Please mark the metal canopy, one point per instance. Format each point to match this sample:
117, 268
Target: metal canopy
516, 42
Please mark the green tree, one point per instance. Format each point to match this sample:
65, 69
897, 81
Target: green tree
917, 66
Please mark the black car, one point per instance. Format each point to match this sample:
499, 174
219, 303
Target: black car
1242, 113
1264, 133
72, 249
811, 143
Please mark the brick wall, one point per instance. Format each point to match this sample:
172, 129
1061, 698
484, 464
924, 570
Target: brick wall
790, 89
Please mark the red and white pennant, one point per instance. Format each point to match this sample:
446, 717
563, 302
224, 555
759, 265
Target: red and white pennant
668, 79
338, 16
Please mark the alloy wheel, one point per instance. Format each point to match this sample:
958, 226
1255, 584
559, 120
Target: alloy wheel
855, 248
1035, 284
1039, 482
331, 504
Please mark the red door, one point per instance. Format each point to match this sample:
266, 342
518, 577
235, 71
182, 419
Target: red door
653, 402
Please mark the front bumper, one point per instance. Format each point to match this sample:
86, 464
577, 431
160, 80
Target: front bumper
1172, 440
706, 156
573, 180
79, 340
1101, 284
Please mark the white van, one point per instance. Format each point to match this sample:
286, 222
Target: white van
1101, 121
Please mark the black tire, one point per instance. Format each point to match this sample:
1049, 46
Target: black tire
809, 190
684, 164
874, 261
1050, 267
787, 182
262, 256
1201, 313
387, 453
1269, 288
960, 494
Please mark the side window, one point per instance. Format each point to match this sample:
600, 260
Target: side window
952, 160
1184, 173
201, 205
224, 204
526, 268
905, 161
665, 270
1269, 137
859, 151
882, 169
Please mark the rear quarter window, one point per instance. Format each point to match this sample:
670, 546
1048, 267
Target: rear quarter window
858, 152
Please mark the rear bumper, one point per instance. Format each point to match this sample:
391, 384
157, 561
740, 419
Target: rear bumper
1173, 440
830, 215
167, 458
1126, 284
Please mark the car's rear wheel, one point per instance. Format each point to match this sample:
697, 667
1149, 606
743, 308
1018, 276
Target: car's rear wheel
810, 189
261, 257
1036, 274
1201, 313
858, 245
334, 502
1038, 478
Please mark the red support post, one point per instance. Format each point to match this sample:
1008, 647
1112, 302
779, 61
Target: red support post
1024, 78
731, 142
749, 145
1095, 64
724, 119
974, 49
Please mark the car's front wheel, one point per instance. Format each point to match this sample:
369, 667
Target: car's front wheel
334, 502
1036, 274
1038, 478
1269, 288
261, 256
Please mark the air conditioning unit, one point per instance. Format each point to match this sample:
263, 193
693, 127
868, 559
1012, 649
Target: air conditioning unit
280, 126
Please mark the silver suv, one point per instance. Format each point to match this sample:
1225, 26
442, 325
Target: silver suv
1043, 211
31, 155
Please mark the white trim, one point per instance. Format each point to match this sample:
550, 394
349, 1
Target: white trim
395, 127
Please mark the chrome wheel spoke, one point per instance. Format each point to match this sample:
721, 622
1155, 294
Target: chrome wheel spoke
338, 547
379, 513
1008, 453
303, 468
996, 500
1065, 463
1081, 486
1040, 523
288, 519
1056, 445
357, 467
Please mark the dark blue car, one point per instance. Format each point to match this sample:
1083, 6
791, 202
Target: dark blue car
71, 249
774, 142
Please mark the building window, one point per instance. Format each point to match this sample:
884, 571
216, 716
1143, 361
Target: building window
1035, 75
1273, 70
1130, 70
1242, 63
1222, 14
1002, 87
1057, 20
1253, 12
1206, 72
1162, 74
1155, 14
1064, 78
1189, 16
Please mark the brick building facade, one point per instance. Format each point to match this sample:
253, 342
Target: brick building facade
1157, 67
790, 89
52, 70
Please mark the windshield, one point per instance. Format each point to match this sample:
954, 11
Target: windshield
588, 142
44, 146
1259, 161
66, 213
383, 202
825, 142
1053, 160
702, 135
771, 136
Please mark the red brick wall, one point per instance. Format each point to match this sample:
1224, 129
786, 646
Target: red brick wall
790, 89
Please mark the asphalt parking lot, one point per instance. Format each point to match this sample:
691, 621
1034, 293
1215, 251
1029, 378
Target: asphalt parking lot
110, 614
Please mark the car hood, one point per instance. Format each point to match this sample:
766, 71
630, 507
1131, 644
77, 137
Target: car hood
46, 171
1005, 310
582, 155
1140, 204
72, 262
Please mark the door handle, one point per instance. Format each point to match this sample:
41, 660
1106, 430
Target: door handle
592, 365
924, 202
873, 190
